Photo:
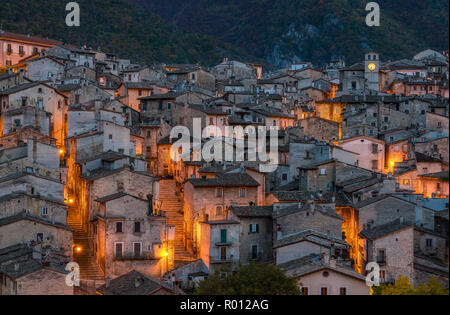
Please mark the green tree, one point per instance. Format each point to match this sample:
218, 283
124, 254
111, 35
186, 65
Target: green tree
252, 279
403, 287
432, 287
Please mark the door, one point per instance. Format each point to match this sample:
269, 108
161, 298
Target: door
119, 249
137, 249
223, 253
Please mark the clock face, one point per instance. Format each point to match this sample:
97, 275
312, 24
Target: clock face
372, 66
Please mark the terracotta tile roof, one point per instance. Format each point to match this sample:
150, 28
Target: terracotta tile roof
29, 38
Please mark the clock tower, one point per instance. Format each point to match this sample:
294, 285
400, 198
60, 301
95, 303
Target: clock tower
372, 71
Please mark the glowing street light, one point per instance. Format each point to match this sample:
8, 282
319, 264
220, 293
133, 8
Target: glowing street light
78, 249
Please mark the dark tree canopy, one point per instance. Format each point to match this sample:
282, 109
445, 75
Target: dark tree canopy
252, 279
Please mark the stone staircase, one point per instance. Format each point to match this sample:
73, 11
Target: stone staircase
172, 204
89, 269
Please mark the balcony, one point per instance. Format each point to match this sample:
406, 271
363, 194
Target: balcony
223, 244
220, 260
381, 260
144, 256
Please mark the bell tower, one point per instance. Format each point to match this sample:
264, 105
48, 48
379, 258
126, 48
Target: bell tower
372, 70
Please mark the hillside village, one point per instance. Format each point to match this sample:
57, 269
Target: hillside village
87, 175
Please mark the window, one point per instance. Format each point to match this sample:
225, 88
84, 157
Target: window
160, 105
425, 170
353, 85
137, 227
382, 276
169, 105
254, 228
219, 210
381, 257
429, 242
9, 50
254, 252
110, 137
374, 164
438, 186
119, 226
406, 182
140, 92
323, 171
242, 192
223, 236
374, 148
323, 291
386, 119
284, 177
45, 211
219, 192
274, 123
137, 249
305, 291
40, 237
343, 291
144, 107
118, 250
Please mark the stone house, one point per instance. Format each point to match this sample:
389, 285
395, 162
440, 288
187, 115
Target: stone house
409, 177
308, 242
387, 208
14, 47
26, 228
255, 230
402, 248
44, 68
371, 152
434, 185
320, 128
42, 97
11, 79
191, 77
131, 92
320, 217
218, 243
135, 239
318, 274
205, 199
32, 277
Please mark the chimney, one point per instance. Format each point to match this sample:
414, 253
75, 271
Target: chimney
279, 234
333, 263
419, 215
326, 258
137, 282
